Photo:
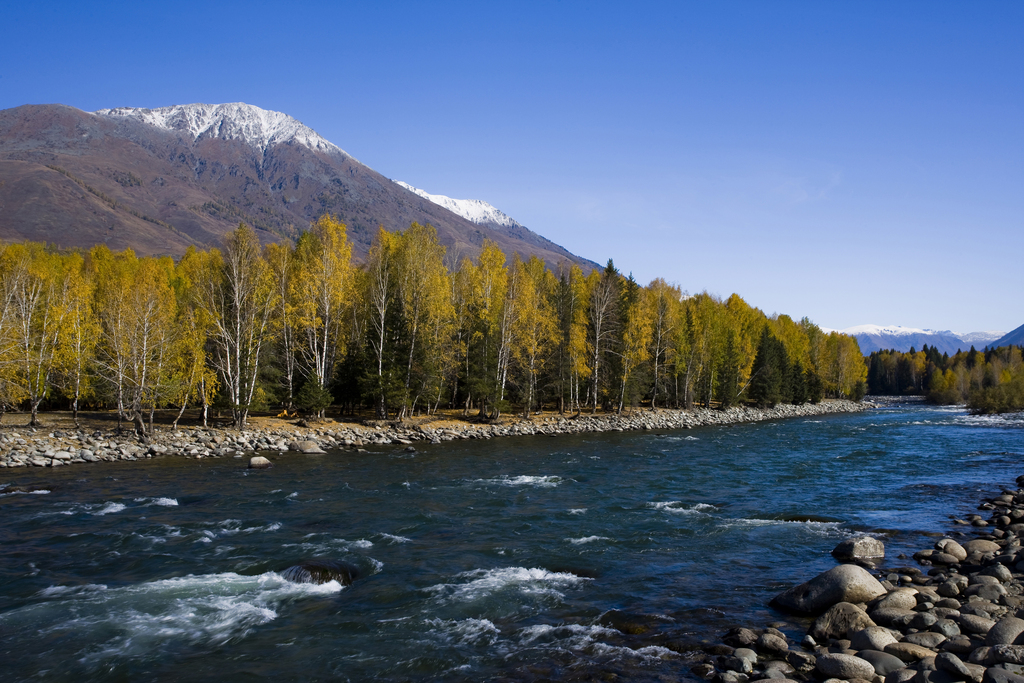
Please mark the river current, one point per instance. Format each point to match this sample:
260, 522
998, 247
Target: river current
525, 558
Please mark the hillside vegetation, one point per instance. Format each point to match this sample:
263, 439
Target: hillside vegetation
407, 331
988, 382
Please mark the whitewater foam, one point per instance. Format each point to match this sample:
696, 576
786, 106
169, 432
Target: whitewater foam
206, 611
587, 539
482, 583
544, 481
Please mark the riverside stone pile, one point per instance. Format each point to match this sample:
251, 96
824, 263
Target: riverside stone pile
27, 447
957, 618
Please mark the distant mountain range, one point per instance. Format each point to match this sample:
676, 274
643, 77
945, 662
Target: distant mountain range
160, 180
878, 337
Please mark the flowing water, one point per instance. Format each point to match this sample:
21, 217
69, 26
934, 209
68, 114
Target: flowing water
526, 558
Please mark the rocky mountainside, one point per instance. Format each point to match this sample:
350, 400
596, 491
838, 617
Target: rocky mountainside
1016, 338
482, 213
160, 180
878, 337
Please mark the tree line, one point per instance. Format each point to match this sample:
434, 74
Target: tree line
988, 382
410, 330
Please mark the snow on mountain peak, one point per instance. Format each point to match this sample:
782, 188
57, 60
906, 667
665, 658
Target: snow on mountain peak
474, 210
892, 330
235, 121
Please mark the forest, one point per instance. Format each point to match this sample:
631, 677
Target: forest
411, 330
988, 382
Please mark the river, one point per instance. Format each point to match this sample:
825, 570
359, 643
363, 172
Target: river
525, 558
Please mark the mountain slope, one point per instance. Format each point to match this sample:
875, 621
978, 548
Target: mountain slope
878, 337
482, 213
1016, 337
160, 180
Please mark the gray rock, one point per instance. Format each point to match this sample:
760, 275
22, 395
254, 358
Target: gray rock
872, 638
898, 619
927, 639
1007, 631
949, 589
951, 547
309, 447
740, 637
960, 645
994, 674
845, 583
745, 653
772, 644
998, 571
1012, 654
738, 665
901, 598
909, 652
839, 621
258, 462
901, 676
951, 664
946, 627
971, 623
834, 665
859, 548
980, 545
801, 661
883, 662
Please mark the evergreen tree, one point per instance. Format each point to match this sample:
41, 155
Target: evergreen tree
797, 383
768, 383
729, 373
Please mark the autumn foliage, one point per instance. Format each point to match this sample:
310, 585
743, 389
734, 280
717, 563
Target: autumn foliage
410, 330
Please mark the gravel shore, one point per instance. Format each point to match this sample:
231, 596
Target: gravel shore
26, 447
955, 614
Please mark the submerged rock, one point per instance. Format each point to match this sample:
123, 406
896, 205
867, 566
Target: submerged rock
321, 571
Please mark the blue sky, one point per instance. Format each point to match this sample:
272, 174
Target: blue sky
851, 162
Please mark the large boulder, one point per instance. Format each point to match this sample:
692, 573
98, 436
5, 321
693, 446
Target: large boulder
845, 583
321, 571
860, 548
872, 638
883, 662
981, 545
839, 621
836, 665
258, 462
1007, 631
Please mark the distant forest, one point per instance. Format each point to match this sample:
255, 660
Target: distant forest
988, 382
411, 330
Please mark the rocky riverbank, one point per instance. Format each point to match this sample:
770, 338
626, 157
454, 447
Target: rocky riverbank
25, 447
957, 616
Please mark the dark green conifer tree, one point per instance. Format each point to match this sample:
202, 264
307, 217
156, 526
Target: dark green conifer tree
729, 373
768, 374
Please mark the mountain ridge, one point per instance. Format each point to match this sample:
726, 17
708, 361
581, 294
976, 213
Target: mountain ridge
884, 337
161, 180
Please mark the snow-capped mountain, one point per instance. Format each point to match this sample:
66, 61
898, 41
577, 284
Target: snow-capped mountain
481, 213
878, 337
161, 180
476, 210
257, 127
